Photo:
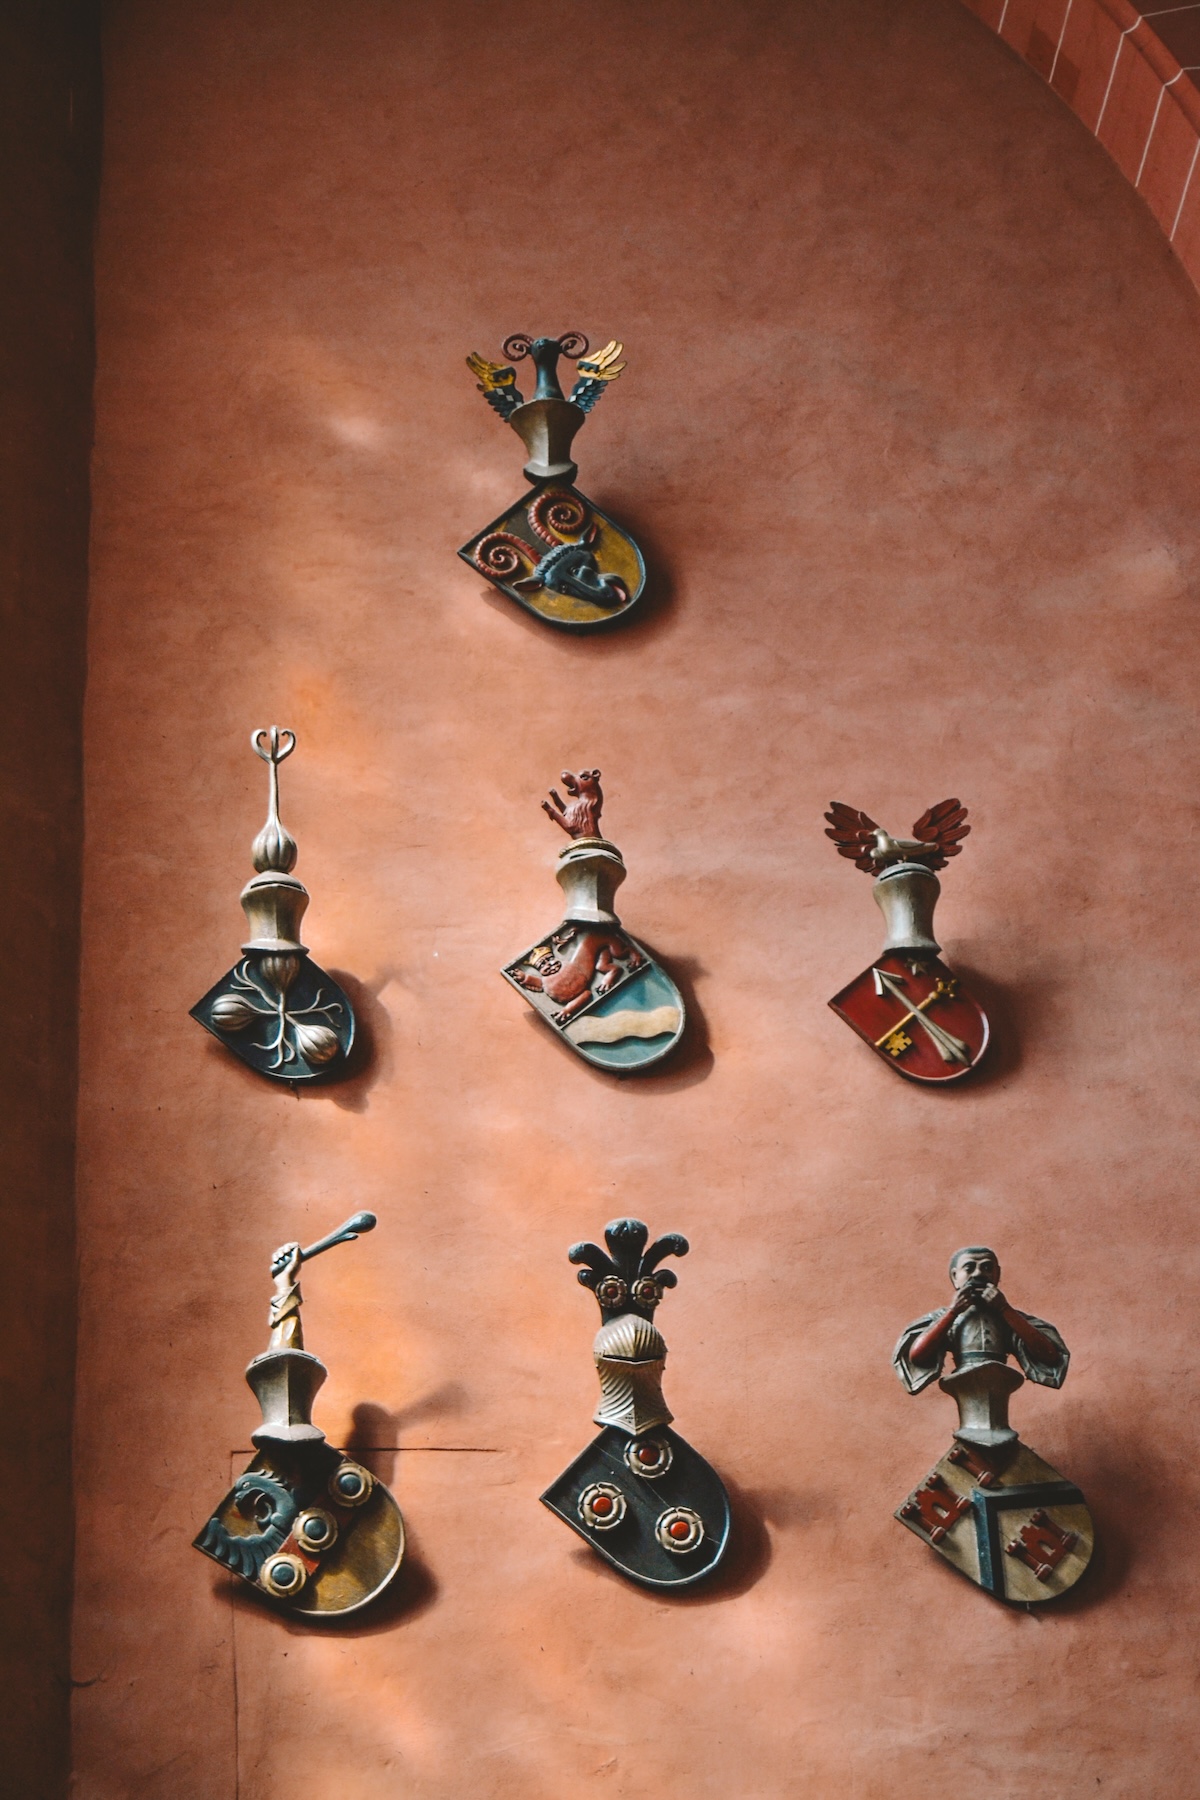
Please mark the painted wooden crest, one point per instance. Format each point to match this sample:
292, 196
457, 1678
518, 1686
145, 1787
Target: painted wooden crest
908, 1006
553, 551
594, 985
275, 1008
308, 1528
639, 1493
991, 1507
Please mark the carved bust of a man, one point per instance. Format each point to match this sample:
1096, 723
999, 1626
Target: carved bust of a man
979, 1326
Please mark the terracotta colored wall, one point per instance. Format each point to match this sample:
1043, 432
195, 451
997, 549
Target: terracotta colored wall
49, 115
909, 431
1130, 70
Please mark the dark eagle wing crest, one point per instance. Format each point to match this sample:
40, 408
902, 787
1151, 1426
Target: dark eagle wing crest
497, 383
595, 372
854, 834
945, 826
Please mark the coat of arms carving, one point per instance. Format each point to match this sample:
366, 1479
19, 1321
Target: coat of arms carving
275, 1008
908, 1006
599, 989
308, 1527
639, 1494
553, 551
992, 1507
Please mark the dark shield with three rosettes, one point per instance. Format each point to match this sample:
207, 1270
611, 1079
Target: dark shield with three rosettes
651, 1506
639, 1493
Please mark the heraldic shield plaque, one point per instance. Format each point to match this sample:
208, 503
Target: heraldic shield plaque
991, 1507
553, 551
275, 1008
307, 1527
908, 1006
594, 985
639, 1493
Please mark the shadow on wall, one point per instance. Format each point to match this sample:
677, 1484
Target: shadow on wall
375, 1432
1008, 1009
370, 1058
1117, 1477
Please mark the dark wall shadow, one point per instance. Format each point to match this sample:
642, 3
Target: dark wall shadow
656, 609
375, 1432
1007, 1009
748, 1556
690, 1062
1115, 1478
371, 1053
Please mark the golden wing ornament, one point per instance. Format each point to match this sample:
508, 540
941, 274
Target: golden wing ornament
497, 383
595, 373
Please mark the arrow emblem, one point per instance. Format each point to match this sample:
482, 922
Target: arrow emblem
950, 1048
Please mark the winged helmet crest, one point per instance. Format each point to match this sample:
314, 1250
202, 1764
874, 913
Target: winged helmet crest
936, 836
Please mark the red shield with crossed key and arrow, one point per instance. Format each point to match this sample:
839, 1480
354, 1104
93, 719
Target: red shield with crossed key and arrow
908, 1006
914, 1013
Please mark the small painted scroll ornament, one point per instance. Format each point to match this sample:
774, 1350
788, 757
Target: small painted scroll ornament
595, 986
991, 1507
305, 1525
553, 551
639, 1494
276, 1009
908, 1006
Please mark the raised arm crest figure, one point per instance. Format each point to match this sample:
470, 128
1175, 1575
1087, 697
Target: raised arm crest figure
554, 552
908, 1006
600, 990
991, 1507
307, 1526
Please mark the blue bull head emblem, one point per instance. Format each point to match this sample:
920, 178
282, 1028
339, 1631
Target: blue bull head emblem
564, 521
553, 552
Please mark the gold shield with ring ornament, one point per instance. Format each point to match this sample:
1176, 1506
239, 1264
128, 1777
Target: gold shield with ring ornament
306, 1526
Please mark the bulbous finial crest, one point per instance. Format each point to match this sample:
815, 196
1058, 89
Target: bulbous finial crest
274, 848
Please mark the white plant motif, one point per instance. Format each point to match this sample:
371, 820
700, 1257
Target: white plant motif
315, 1043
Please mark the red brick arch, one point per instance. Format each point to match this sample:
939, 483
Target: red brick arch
1131, 73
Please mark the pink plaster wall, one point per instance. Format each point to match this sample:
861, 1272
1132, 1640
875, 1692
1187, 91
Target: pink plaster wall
909, 433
